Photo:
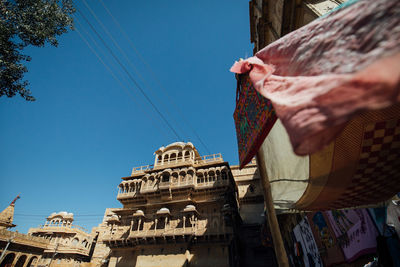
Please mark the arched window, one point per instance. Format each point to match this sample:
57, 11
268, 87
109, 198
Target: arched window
21, 261
180, 157
175, 178
159, 159
211, 176
75, 241
189, 176
182, 175
200, 178
166, 159
165, 177
8, 260
173, 157
187, 155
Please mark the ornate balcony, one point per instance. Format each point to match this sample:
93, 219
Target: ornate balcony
161, 164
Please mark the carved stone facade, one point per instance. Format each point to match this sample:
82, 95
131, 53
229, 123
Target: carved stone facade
69, 244
182, 210
56, 243
20, 250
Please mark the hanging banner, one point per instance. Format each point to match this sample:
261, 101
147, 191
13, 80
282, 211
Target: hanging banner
334, 87
324, 74
254, 117
354, 231
304, 236
330, 251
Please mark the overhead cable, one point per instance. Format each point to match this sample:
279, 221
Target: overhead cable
135, 70
129, 75
150, 71
109, 69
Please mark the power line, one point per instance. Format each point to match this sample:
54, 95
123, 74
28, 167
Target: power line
148, 67
135, 70
107, 67
129, 75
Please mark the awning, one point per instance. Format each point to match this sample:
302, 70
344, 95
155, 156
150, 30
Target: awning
334, 86
138, 213
163, 211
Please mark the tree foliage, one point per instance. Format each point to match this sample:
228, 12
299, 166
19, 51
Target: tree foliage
24, 23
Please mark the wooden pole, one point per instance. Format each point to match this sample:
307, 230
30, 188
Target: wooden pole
280, 251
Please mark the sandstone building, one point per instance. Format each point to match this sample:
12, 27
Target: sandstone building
180, 211
184, 210
56, 243
69, 244
18, 249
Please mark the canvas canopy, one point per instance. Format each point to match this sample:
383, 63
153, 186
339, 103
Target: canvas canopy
334, 85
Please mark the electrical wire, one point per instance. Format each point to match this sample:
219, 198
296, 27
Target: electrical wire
135, 70
154, 76
108, 68
129, 75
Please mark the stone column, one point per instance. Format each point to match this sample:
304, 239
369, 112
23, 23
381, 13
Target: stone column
140, 221
16, 259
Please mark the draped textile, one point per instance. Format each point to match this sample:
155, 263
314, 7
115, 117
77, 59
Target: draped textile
335, 87
322, 75
355, 232
254, 117
304, 236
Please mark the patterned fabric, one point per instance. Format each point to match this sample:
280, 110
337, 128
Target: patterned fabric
378, 171
254, 117
304, 236
325, 238
324, 74
354, 231
361, 167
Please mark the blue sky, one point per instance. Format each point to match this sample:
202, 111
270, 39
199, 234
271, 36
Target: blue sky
68, 150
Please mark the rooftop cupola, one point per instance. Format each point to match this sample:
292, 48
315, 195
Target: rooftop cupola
175, 153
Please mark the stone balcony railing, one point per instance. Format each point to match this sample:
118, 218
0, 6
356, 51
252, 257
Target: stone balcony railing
151, 233
59, 228
171, 185
23, 239
78, 249
179, 161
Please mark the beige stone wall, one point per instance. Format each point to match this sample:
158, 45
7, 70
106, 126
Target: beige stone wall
172, 256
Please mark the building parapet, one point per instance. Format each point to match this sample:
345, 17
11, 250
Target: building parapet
57, 228
23, 239
199, 161
197, 185
61, 249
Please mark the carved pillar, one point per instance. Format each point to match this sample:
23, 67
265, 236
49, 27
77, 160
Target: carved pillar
16, 258
140, 222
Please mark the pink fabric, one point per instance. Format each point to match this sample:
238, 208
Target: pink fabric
322, 75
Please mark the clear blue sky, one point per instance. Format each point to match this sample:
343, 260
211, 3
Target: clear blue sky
68, 150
